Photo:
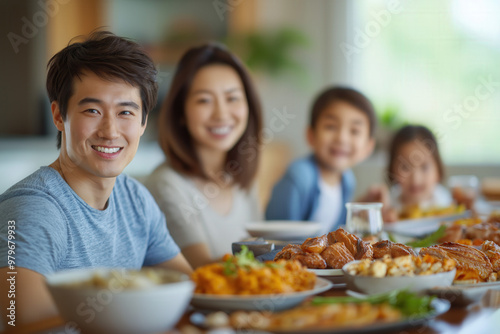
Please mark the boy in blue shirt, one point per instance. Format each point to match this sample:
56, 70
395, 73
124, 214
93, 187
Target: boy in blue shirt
80, 212
316, 188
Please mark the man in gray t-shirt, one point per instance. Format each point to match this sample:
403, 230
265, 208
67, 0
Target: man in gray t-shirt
79, 212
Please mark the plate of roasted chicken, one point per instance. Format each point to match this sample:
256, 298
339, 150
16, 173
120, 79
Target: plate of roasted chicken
477, 270
327, 254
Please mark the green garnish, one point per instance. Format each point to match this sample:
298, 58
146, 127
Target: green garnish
429, 240
407, 302
391, 237
245, 260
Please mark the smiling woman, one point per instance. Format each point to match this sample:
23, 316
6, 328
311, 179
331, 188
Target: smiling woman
209, 129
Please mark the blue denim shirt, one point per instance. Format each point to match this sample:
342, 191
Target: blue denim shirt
296, 195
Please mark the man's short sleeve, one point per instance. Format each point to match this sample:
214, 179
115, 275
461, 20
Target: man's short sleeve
161, 245
40, 232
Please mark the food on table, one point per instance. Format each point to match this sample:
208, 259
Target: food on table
467, 221
327, 251
351, 241
311, 260
401, 266
315, 245
337, 255
432, 239
472, 229
317, 316
393, 249
335, 249
469, 242
494, 217
415, 211
492, 251
484, 231
452, 233
126, 279
336, 312
242, 274
473, 266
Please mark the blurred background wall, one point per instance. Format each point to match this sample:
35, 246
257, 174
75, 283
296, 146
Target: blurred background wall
419, 62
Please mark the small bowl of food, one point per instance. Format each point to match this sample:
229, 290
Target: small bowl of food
120, 300
415, 273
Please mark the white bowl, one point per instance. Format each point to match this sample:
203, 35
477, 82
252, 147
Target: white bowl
283, 229
374, 285
151, 309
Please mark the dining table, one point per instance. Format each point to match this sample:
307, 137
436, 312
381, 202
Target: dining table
482, 316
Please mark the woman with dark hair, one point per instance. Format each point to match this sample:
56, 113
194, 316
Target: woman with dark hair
209, 130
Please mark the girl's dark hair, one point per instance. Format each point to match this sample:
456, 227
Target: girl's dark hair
108, 56
349, 95
407, 134
175, 140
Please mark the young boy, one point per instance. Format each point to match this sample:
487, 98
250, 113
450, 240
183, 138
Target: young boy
316, 188
80, 212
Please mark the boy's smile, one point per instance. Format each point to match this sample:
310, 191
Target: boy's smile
341, 137
103, 126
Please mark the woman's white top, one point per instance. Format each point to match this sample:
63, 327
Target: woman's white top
191, 219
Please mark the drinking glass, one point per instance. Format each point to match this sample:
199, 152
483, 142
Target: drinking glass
364, 219
464, 189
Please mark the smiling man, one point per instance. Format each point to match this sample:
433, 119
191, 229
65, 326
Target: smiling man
80, 212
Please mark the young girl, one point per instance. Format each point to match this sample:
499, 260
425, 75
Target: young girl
416, 170
209, 130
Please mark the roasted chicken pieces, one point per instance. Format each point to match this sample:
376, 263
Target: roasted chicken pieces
335, 249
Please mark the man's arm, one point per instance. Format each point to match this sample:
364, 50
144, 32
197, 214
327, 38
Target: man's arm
198, 255
32, 298
178, 263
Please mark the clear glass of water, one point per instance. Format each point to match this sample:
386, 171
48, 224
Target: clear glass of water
364, 219
464, 189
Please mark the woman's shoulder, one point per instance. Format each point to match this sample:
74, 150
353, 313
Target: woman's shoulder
164, 173
165, 179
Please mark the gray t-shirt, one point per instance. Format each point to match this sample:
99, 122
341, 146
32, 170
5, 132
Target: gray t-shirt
55, 229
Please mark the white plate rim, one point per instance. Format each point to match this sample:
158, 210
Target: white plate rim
401, 226
441, 306
327, 272
279, 225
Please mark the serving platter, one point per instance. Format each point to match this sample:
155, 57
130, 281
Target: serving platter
440, 306
463, 294
283, 230
335, 276
274, 302
422, 226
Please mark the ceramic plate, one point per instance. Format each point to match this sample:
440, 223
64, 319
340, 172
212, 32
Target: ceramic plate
275, 302
440, 306
327, 272
335, 276
423, 226
463, 294
375, 285
283, 230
